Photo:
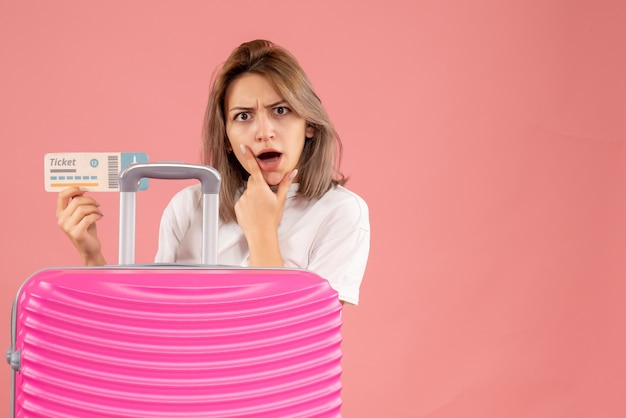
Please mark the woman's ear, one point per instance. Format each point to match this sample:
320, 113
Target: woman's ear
309, 132
229, 147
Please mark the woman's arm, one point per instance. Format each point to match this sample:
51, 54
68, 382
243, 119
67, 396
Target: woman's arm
341, 247
259, 211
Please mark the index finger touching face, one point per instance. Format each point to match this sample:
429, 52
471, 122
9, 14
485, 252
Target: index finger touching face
249, 161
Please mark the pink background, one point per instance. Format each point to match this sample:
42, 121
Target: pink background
489, 139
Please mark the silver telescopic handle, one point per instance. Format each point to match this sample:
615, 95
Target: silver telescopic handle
210, 180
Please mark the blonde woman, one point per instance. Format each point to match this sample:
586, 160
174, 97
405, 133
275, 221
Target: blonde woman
282, 202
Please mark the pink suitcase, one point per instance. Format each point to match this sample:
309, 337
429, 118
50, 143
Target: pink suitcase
175, 341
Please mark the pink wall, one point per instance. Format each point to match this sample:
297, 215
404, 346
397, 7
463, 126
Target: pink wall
488, 139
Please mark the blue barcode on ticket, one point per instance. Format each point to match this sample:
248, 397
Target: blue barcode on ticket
93, 171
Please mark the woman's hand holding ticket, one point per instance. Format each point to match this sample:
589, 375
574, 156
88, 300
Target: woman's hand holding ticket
77, 215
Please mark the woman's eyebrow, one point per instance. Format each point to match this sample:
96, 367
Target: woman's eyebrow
239, 109
280, 102
249, 108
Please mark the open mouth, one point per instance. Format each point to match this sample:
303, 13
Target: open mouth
269, 157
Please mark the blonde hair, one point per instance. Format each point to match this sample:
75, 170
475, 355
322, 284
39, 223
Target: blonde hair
318, 168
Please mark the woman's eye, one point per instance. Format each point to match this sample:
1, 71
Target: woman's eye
243, 116
281, 110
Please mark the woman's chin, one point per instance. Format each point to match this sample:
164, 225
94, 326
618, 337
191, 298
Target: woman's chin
273, 179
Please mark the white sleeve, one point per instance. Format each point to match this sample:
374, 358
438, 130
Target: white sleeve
175, 223
341, 248
168, 237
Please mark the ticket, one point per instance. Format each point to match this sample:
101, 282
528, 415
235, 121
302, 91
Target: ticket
92, 171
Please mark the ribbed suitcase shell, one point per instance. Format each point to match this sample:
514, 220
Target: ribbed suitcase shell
171, 341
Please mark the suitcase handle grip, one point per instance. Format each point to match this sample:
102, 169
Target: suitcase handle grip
129, 178
133, 173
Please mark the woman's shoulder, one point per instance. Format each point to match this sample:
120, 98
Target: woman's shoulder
342, 194
187, 198
346, 202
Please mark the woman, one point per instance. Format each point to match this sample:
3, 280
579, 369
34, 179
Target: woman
282, 200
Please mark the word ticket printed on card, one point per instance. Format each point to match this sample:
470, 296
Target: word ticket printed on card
91, 171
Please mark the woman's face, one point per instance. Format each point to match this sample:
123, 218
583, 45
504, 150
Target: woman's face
258, 117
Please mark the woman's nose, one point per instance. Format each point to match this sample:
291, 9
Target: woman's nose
265, 128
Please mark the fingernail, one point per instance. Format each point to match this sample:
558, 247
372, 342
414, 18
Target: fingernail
293, 174
243, 148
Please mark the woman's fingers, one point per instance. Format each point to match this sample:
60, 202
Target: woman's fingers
65, 196
77, 216
77, 231
76, 213
250, 163
283, 187
77, 207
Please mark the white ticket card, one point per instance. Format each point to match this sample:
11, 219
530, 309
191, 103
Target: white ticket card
92, 171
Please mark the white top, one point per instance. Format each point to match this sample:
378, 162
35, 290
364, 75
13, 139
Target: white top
329, 236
